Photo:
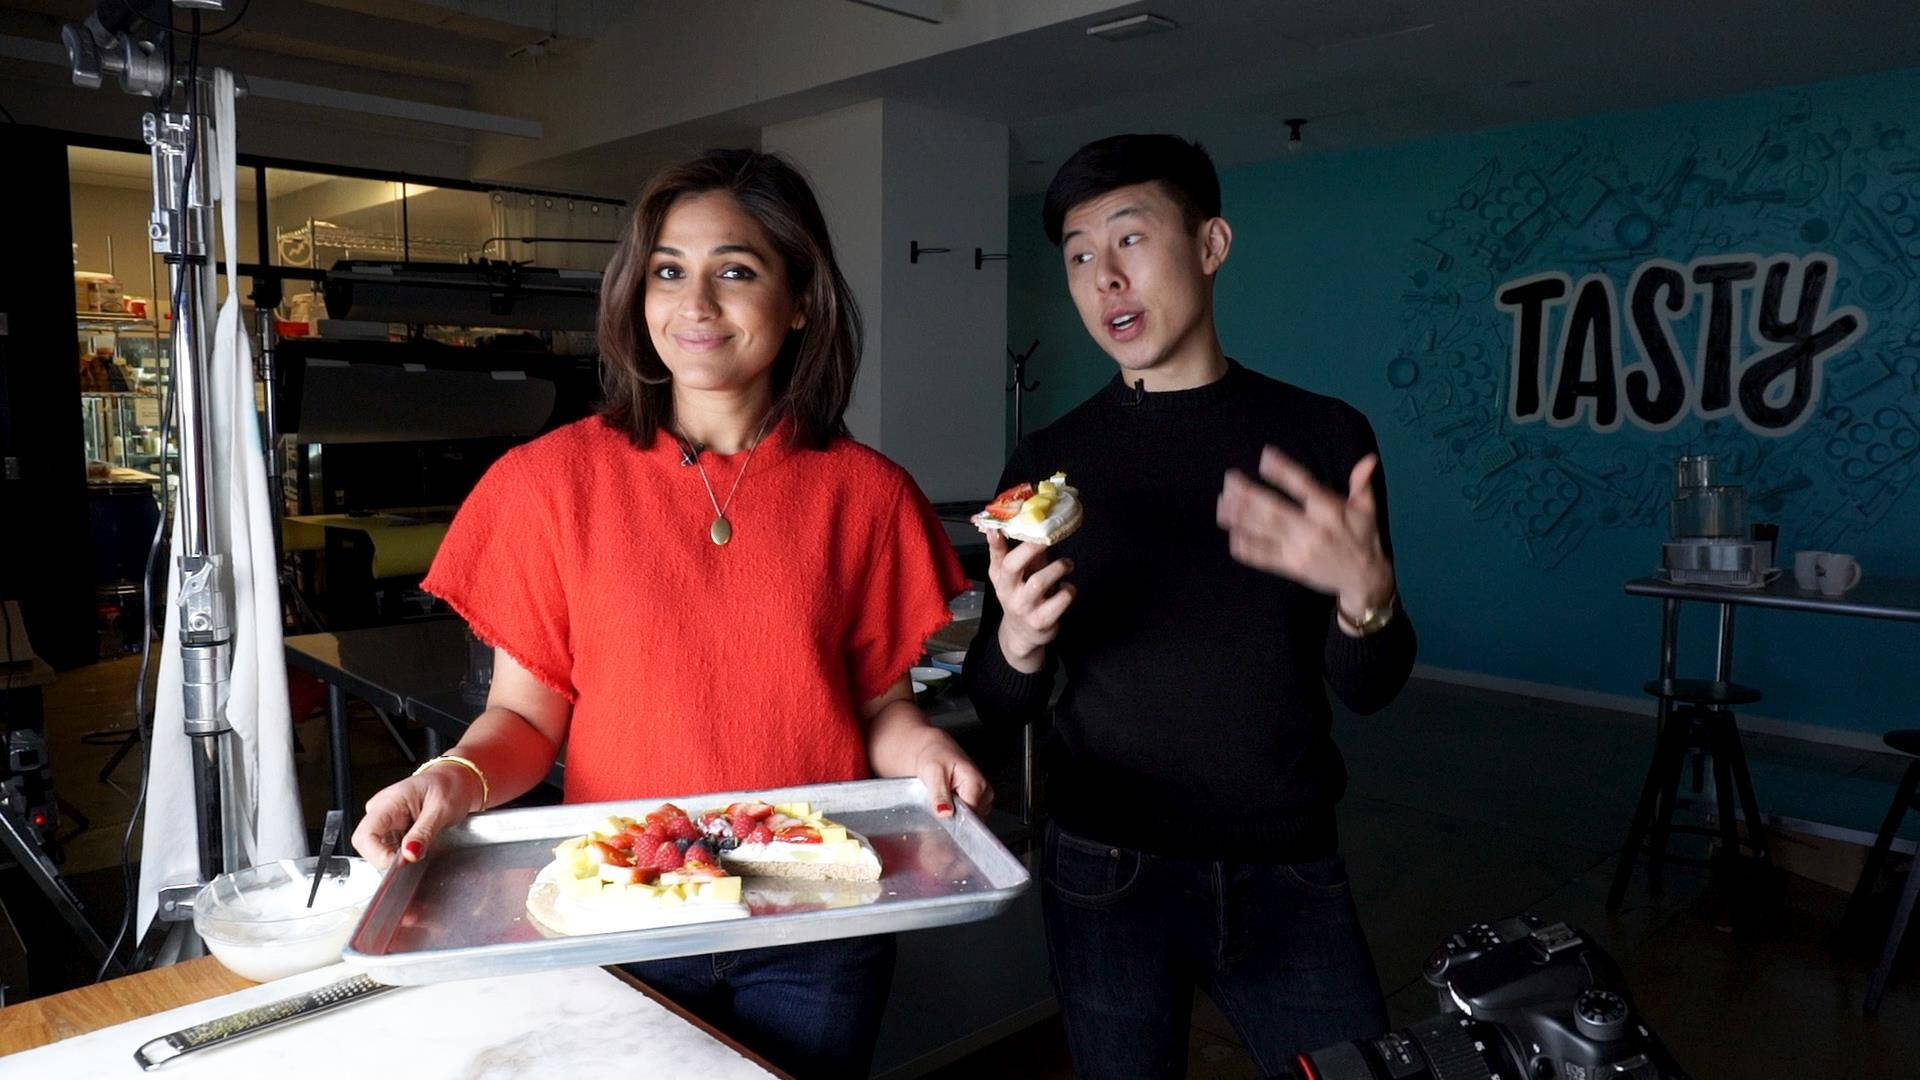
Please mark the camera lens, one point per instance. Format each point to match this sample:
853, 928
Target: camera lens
1453, 1047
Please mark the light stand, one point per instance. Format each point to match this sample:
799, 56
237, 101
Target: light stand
182, 231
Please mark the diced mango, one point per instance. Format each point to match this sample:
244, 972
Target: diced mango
724, 890
795, 809
1048, 488
582, 888
832, 834
613, 825
569, 846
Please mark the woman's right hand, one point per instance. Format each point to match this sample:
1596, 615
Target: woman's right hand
1033, 596
403, 819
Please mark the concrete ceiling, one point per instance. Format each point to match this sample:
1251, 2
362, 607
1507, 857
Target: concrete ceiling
440, 40
625, 85
1363, 72
432, 52
1368, 72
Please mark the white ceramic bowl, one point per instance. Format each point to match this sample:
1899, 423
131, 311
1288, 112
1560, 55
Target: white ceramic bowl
258, 924
932, 681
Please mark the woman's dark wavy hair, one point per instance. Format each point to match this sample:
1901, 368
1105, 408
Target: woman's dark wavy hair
813, 375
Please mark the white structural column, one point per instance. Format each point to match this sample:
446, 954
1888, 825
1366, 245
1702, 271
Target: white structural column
931, 389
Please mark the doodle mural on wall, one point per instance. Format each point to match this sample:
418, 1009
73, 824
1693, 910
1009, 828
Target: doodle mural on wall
1580, 314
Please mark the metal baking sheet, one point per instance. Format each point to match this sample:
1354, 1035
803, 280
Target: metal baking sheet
462, 912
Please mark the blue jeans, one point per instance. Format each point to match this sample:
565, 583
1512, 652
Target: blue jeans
1278, 947
811, 1009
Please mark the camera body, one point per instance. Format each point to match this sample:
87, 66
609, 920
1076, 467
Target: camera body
1520, 999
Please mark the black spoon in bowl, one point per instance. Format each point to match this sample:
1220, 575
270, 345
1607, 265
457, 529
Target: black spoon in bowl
329, 839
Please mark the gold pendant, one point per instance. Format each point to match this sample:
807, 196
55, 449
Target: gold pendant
721, 531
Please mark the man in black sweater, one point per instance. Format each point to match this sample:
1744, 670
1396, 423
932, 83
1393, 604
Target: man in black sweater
1233, 562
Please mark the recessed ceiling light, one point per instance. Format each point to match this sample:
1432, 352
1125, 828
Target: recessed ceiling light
1132, 26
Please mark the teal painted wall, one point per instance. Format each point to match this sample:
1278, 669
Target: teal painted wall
1373, 276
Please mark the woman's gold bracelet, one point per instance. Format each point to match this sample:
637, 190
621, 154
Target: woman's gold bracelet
486, 790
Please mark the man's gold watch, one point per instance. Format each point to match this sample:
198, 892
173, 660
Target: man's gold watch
1373, 618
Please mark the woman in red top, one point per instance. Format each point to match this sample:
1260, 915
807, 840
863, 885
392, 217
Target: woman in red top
709, 586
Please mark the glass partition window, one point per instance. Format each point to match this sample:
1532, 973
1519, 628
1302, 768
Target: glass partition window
123, 303
550, 230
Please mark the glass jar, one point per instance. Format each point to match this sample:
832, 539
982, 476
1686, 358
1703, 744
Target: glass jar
1716, 511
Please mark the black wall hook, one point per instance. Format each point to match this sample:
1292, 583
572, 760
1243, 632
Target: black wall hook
914, 251
1020, 368
981, 257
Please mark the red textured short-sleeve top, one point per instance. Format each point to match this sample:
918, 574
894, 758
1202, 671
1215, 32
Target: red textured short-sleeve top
694, 667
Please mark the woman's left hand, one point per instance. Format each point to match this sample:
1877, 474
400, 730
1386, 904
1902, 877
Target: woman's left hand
900, 742
947, 771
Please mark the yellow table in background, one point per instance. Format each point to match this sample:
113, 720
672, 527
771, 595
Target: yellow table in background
402, 546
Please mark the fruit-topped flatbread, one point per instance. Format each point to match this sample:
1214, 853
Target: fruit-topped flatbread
1043, 513
791, 840
629, 875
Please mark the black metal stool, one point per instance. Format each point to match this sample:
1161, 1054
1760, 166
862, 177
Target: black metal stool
1697, 720
1905, 797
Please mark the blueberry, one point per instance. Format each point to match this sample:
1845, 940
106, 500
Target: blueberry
682, 844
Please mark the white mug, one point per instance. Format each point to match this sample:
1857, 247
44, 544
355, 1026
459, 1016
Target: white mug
1806, 569
1838, 573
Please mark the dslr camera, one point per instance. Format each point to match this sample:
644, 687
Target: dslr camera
1520, 999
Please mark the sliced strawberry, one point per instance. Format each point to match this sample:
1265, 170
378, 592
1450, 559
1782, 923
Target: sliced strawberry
635, 875
683, 829
607, 855
701, 869
667, 856
698, 853
742, 823
759, 834
1007, 504
798, 834
621, 841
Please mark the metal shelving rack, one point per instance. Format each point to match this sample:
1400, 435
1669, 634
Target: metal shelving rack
316, 234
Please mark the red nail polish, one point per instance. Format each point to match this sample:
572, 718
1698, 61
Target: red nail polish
943, 808
414, 848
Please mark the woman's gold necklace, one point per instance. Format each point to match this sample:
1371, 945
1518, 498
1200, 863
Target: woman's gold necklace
721, 530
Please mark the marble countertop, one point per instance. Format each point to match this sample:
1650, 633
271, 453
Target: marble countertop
550, 1023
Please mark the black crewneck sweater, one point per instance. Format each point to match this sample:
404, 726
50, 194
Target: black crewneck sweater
1195, 719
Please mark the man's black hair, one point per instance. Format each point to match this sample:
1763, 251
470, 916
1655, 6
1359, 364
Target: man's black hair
1181, 168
